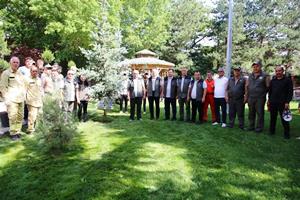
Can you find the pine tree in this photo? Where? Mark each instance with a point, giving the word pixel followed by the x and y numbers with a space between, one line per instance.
pixel 103 58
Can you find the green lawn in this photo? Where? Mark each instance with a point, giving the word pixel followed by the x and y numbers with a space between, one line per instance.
pixel 155 160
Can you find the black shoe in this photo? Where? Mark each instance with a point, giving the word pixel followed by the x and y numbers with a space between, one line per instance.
pixel 258 130
pixel 230 126
pixel 173 119
pixel 287 137
pixel 242 128
pixel 15 137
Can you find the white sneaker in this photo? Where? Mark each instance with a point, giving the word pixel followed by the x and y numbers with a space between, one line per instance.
pixel 223 125
pixel 215 123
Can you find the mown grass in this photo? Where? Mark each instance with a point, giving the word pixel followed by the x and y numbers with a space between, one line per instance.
pixel 155 160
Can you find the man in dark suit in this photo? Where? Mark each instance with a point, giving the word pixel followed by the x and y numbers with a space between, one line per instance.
pixel 182 91
pixel 170 93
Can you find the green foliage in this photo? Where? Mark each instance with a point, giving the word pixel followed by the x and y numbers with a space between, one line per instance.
pixel 144 24
pixel 155 160
pixel 71 63
pixel 103 59
pixel 187 27
pixel 268 30
pixel 3 64
pixel 55 128
pixel 3 46
pixel 48 56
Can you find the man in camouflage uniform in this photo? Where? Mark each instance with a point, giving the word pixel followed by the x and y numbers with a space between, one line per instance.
pixel 34 98
pixel 13 88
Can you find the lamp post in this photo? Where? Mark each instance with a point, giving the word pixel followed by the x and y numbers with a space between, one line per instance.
pixel 229 40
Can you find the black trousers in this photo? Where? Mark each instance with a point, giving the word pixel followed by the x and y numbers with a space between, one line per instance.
pixel 170 102
pixel 236 108
pixel 25 112
pixel 123 99
pixel 256 107
pixel 144 105
pixel 4 119
pixel 82 110
pixel 276 108
pixel 136 104
pixel 197 106
pixel 151 101
pixel 220 102
pixel 183 102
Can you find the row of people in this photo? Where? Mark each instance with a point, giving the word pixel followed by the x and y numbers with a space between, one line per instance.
pixel 23 92
pixel 194 95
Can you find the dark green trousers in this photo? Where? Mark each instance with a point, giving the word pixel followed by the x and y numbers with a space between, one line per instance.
pixel 256 112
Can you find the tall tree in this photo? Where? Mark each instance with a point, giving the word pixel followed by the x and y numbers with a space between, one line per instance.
pixel 188 24
pixel 103 58
pixel 144 24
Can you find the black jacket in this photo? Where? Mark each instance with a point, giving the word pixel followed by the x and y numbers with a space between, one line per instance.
pixel 281 90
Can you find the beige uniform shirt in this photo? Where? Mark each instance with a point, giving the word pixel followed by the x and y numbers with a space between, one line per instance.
pixel 47 83
pixel 13 86
pixel 34 94
pixel 69 90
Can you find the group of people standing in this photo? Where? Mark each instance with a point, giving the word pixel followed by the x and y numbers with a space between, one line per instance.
pixel 194 95
pixel 23 90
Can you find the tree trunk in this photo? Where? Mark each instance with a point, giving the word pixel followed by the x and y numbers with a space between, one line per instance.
pixel 105 113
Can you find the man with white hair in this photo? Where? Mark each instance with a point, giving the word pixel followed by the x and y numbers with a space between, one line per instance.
pixel 136 93
pixel 13 88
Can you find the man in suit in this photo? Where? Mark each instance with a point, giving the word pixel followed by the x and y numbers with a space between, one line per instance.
pixel 182 91
pixel 154 93
pixel 170 90
pixel 136 93
pixel 197 93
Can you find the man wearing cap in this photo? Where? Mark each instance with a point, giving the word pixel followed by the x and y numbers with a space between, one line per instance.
pixel 155 91
pixel 280 95
pixel 196 93
pixel 136 93
pixel 170 90
pixel 258 85
pixel 34 98
pixel 221 83
pixel 237 97
pixel 13 86
pixel 209 98
pixel 182 92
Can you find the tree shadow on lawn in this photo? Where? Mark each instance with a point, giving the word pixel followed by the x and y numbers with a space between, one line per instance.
pixel 157 160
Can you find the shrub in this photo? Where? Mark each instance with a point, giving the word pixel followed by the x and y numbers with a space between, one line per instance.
pixel 55 128
pixel 48 56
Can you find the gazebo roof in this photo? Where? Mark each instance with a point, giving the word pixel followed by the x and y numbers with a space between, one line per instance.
pixel 145 53
pixel 145 61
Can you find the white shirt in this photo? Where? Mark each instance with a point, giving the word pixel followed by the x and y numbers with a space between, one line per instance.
pixel 168 95
pixel 194 90
pixel 135 85
pixel 220 87
pixel 153 84
pixel 182 83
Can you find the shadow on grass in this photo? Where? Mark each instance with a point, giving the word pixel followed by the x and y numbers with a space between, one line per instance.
pixel 157 160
